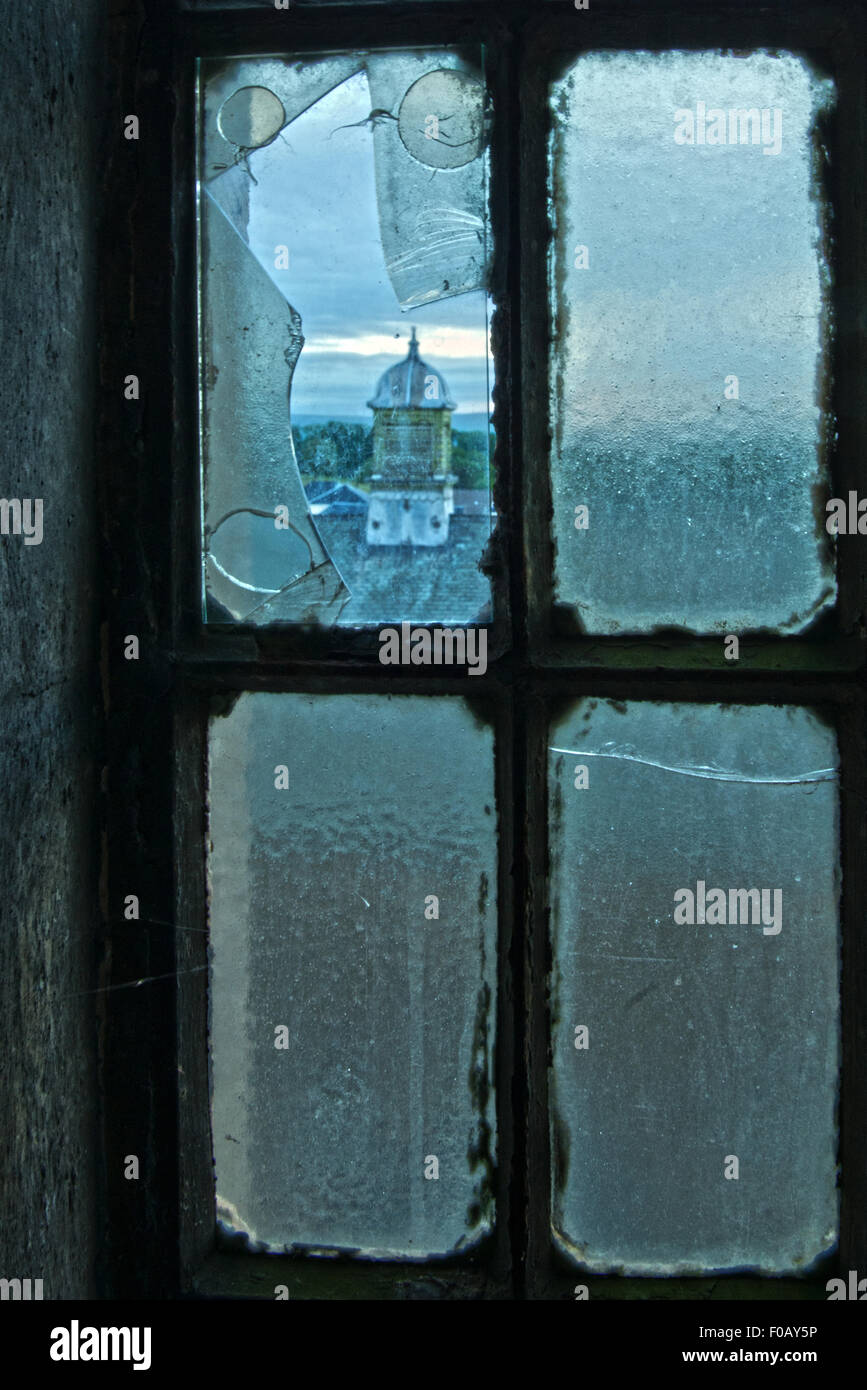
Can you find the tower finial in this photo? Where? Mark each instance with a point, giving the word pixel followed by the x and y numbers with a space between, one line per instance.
pixel 413 344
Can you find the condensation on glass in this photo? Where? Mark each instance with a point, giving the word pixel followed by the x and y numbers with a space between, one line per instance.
pixel 345 373
pixel 689 361
pixel 352 874
pixel 693 1125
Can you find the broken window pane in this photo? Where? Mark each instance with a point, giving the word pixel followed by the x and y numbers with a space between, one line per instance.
pixel 345 364
pixel 689 381
pixel 353 933
pixel 695 987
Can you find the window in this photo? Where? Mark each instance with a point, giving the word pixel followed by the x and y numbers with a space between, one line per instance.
pixel 609 1085
pixel 332 210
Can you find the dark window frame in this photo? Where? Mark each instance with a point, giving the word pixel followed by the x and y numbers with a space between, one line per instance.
pixel 823 668
pixel 159 1232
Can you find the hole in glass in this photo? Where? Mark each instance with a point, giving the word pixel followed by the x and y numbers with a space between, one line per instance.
pixel 441 120
pixel 251 118
pixel 332 497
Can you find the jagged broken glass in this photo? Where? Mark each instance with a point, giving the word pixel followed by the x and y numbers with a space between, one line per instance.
pixel 693 1120
pixel 689 373
pixel 344 354
pixel 353 934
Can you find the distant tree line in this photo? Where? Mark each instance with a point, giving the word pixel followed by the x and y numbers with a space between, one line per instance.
pixel 334 450
pixel 345 452
pixel 470 458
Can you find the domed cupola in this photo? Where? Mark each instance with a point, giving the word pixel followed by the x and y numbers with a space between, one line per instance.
pixel 412 384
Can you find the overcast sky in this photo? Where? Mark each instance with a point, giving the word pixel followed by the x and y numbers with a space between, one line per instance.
pixel 315 193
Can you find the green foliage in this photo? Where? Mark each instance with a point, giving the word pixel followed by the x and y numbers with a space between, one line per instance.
pixel 334 450
pixel 470 458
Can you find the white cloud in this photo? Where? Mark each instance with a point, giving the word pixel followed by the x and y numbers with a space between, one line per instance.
pixel 436 342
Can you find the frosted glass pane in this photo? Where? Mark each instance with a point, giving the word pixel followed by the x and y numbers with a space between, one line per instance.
pixel 693 1124
pixel 688 296
pixel 345 366
pixel 356 909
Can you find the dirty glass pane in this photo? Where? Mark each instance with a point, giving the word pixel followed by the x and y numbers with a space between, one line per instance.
pixel 353 919
pixel 689 385
pixel 344 354
pixel 695 1024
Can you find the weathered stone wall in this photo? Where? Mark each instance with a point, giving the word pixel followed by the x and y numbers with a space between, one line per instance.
pixel 51 95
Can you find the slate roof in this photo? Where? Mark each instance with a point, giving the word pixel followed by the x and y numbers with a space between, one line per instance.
pixel 404 583
pixel 325 494
pixel 471 501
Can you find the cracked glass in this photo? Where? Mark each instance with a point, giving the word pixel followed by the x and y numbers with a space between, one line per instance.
pixel 345 370
pixel 695 992
pixel 352 884
pixel 689 395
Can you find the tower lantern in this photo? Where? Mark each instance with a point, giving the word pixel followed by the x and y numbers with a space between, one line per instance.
pixel 411 496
